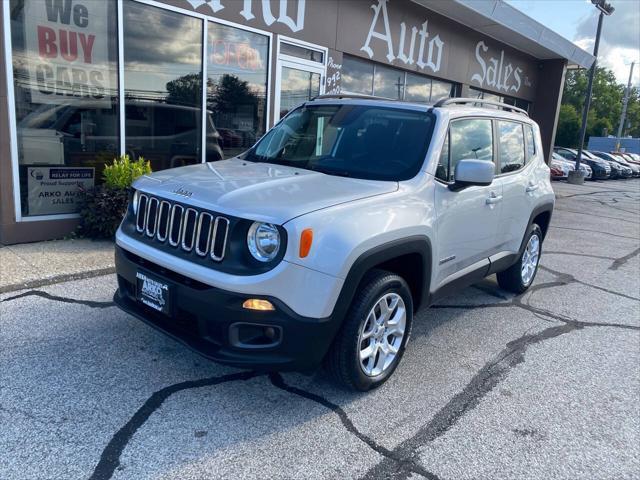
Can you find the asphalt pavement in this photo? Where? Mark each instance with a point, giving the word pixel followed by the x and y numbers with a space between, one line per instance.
pixel 492 386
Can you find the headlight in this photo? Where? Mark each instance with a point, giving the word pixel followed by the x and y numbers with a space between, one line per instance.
pixel 263 241
pixel 135 202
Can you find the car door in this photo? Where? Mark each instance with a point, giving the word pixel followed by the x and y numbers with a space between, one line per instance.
pixel 520 183
pixel 467 219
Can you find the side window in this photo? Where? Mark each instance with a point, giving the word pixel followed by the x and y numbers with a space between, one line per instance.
pixel 442 171
pixel 511 147
pixel 531 142
pixel 470 138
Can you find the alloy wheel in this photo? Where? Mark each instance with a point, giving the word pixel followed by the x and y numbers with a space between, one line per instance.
pixel 382 334
pixel 530 259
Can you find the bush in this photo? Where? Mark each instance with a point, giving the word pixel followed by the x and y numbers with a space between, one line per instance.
pixel 103 207
pixel 101 211
pixel 122 172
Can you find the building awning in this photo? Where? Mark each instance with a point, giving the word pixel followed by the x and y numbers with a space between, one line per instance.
pixel 509 25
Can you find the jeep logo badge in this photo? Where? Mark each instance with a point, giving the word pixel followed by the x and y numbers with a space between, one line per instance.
pixel 182 192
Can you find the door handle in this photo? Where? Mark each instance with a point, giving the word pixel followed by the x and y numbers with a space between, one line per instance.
pixel 493 199
pixel 532 187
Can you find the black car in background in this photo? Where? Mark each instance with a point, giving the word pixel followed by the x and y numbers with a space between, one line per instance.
pixel 601 168
pixel 622 171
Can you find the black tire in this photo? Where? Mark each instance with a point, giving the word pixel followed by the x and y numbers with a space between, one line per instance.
pixel 343 359
pixel 511 279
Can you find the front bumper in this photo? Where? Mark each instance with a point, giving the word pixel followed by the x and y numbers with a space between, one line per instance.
pixel 207 320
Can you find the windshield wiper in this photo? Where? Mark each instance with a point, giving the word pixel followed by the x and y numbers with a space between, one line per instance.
pixel 328 171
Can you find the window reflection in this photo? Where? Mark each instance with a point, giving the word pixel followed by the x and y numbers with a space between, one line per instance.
pixel 511 146
pixel 418 88
pixel 369 78
pixel 66 105
pixel 356 76
pixel 470 138
pixel 296 87
pixel 388 83
pixel 163 85
pixel 237 63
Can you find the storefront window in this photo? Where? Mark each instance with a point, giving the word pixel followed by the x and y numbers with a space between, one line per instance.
pixel 66 84
pixel 418 88
pixel 388 82
pixel 440 90
pixel 237 63
pixel 369 78
pixel 163 85
pixel 516 102
pixel 356 76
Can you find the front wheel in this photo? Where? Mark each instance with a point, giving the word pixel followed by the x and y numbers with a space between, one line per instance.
pixel 519 277
pixel 372 339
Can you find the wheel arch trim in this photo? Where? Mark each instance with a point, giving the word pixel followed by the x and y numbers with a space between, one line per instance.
pixel 416 244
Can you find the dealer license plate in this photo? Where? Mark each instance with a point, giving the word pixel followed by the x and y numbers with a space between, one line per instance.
pixel 153 292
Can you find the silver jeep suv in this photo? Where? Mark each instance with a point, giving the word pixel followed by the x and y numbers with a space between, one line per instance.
pixel 321 242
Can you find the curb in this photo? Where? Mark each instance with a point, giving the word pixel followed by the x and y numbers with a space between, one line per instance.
pixel 57 279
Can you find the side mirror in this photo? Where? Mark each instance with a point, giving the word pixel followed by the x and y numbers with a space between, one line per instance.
pixel 473 172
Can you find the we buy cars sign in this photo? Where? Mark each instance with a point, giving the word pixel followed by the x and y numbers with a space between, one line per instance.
pixel 67 50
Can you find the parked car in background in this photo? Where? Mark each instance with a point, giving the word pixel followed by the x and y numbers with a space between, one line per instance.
pixel 165 134
pixel 569 166
pixel 560 168
pixel 601 170
pixel 623 171
pixel 634 156
pixel 628 161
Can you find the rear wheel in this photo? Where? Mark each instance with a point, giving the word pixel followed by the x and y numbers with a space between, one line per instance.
pixel 372 339
pixel 519 277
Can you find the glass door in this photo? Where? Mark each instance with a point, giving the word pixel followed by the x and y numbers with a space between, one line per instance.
pixel 301 72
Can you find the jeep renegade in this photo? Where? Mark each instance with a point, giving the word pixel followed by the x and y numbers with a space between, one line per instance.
pixel 320 243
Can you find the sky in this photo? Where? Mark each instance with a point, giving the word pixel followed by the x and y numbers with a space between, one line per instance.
pixel 577 21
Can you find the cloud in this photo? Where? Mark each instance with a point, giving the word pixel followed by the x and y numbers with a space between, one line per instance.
pixel 620 40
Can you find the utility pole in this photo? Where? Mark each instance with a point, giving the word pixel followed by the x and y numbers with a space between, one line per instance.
pixel 577 176
pixel 625 102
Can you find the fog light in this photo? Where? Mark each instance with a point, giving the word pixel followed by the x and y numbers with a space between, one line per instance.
pixel 270 333
pixel 258 304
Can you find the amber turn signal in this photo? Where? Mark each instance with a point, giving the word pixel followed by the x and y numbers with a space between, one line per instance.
pixel 306 239
pixel 257 304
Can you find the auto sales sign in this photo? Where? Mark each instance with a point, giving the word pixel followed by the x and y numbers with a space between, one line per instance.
pixel 68 50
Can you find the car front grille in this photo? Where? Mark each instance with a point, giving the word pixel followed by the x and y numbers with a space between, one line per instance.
pixel 182 227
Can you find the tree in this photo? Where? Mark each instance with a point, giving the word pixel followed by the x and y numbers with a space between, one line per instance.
pixel 185 90
pixel 606 106
pixel 230 92
pixel 568 126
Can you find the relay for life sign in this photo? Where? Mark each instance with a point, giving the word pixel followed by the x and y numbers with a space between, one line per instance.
pixel 54 190
pixel 67 41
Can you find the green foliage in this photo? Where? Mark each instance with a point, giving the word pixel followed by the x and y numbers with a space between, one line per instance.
pixel 568 126
pixel 103 207
pixel 123 171
pixel 605 110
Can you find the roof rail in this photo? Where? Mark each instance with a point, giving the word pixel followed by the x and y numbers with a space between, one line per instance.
pixel 349 95
pixel 463 101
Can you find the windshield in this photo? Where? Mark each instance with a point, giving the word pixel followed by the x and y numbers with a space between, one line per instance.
pixel 358 141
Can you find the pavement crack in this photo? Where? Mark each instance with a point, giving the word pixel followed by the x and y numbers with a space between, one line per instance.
pixel 618 262
pixel 399 463
pixel 110 457
pixel 593 231
pixel 577 254
pixel 478 387
pixel 57 298
pixel 571 279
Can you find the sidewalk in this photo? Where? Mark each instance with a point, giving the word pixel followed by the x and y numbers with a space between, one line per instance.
pixel 30 265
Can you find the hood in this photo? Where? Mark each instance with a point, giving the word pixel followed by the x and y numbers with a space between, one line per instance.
pixel 258 191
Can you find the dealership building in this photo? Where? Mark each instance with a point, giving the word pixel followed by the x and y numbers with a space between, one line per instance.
pixel 83 81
